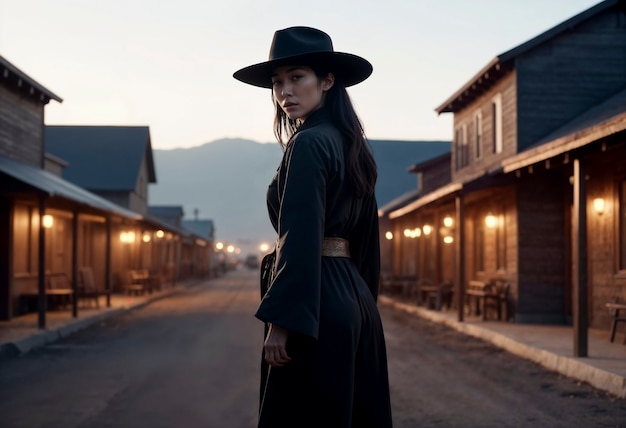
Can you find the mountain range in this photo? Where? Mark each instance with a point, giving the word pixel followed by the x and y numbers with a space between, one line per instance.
pixel 226 181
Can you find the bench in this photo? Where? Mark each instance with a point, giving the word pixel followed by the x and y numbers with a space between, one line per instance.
pixel 615 308
pixel 391 284
pixel 141 279
pixel 434 296
pixel 58 292
pixel 491 294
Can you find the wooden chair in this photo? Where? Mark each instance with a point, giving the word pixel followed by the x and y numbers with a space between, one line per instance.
pixel 614 308
pixel 59 289
pixel 476 291
pixel 497 297
pixel 87 286
pixel 135 282
pixel 445 291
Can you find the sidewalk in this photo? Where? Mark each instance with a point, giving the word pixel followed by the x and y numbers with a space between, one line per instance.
pixel 550 346
pixel 21 334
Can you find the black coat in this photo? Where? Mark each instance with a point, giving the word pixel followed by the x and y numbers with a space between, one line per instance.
pixel 338 373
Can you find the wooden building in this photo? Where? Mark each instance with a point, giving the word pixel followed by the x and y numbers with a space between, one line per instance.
pixel 64 238
pixel 537 193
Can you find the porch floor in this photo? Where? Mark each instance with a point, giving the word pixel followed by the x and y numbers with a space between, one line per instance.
pixel 21 334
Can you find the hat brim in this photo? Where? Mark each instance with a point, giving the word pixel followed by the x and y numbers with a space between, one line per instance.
pixel 349 69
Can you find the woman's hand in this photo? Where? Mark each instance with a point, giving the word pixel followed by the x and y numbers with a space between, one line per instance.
pixel 275 346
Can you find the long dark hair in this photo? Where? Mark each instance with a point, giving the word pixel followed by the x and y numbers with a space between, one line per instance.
pixel 361 166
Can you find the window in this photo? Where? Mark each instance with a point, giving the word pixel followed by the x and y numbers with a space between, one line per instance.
pixel 464 151
pixel 457 148
pixel 478 134
pixel 496 115
pixel 622 226
pixel 461 152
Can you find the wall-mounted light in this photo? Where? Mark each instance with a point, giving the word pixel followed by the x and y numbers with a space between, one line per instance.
pixel 230 248
pixel 448 239
pixel 219 246
pixel 448 221
pixel 160 234
pixel 427 229
pixel 412 233
pixel 127 237
pixel 389 236
pixel 48 221
pixel 598 205
pixel 146 237
pixel 491 221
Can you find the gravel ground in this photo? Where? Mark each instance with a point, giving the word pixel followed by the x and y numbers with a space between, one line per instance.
pixel 442 378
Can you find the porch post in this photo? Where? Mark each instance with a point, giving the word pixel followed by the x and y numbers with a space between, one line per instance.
pixel 41 268
pixel 579 260
pixel 460 257
pixel 6 257
pixel 107 261
pixel 75 264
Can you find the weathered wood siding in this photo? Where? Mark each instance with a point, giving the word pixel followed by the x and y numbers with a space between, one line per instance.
pixel 501 202
pixel 6 257
pixel 606 170
pixel 436 175
pixel 21 128
pixel 488 159
pixel 541 238
pixel 569 74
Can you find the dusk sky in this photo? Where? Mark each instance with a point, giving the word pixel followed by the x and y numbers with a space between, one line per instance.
pixel 169 64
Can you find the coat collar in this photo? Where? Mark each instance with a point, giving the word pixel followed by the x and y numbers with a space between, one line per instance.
pixel 318 117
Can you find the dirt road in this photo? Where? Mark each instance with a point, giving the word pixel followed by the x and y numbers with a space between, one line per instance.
pixel 191 360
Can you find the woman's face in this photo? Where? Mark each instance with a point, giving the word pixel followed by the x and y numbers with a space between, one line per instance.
pixel 298 90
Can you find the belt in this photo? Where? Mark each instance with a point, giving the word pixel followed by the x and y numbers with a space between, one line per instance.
pixel 335 247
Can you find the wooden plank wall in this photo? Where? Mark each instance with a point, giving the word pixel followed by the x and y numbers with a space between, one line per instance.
pixel 570 74
pixel 542 259
pixel 21 128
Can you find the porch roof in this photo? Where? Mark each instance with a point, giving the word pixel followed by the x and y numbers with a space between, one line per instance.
pixel 53 185
pixel 203 228
pixel 161 223
pixel 398 202
pixel 441 192
pixel 603 120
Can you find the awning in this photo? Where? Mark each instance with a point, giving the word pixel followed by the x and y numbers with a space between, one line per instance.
pixel 604 120
pixel 53 185
pixel 427 199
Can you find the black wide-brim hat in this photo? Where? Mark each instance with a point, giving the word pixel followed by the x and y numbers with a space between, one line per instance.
pixel 306 47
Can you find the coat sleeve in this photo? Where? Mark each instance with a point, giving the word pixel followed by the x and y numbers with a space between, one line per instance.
pixel 365 245
pixel 293 299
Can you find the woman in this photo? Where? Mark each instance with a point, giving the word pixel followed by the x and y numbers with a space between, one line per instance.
pixel 324 353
